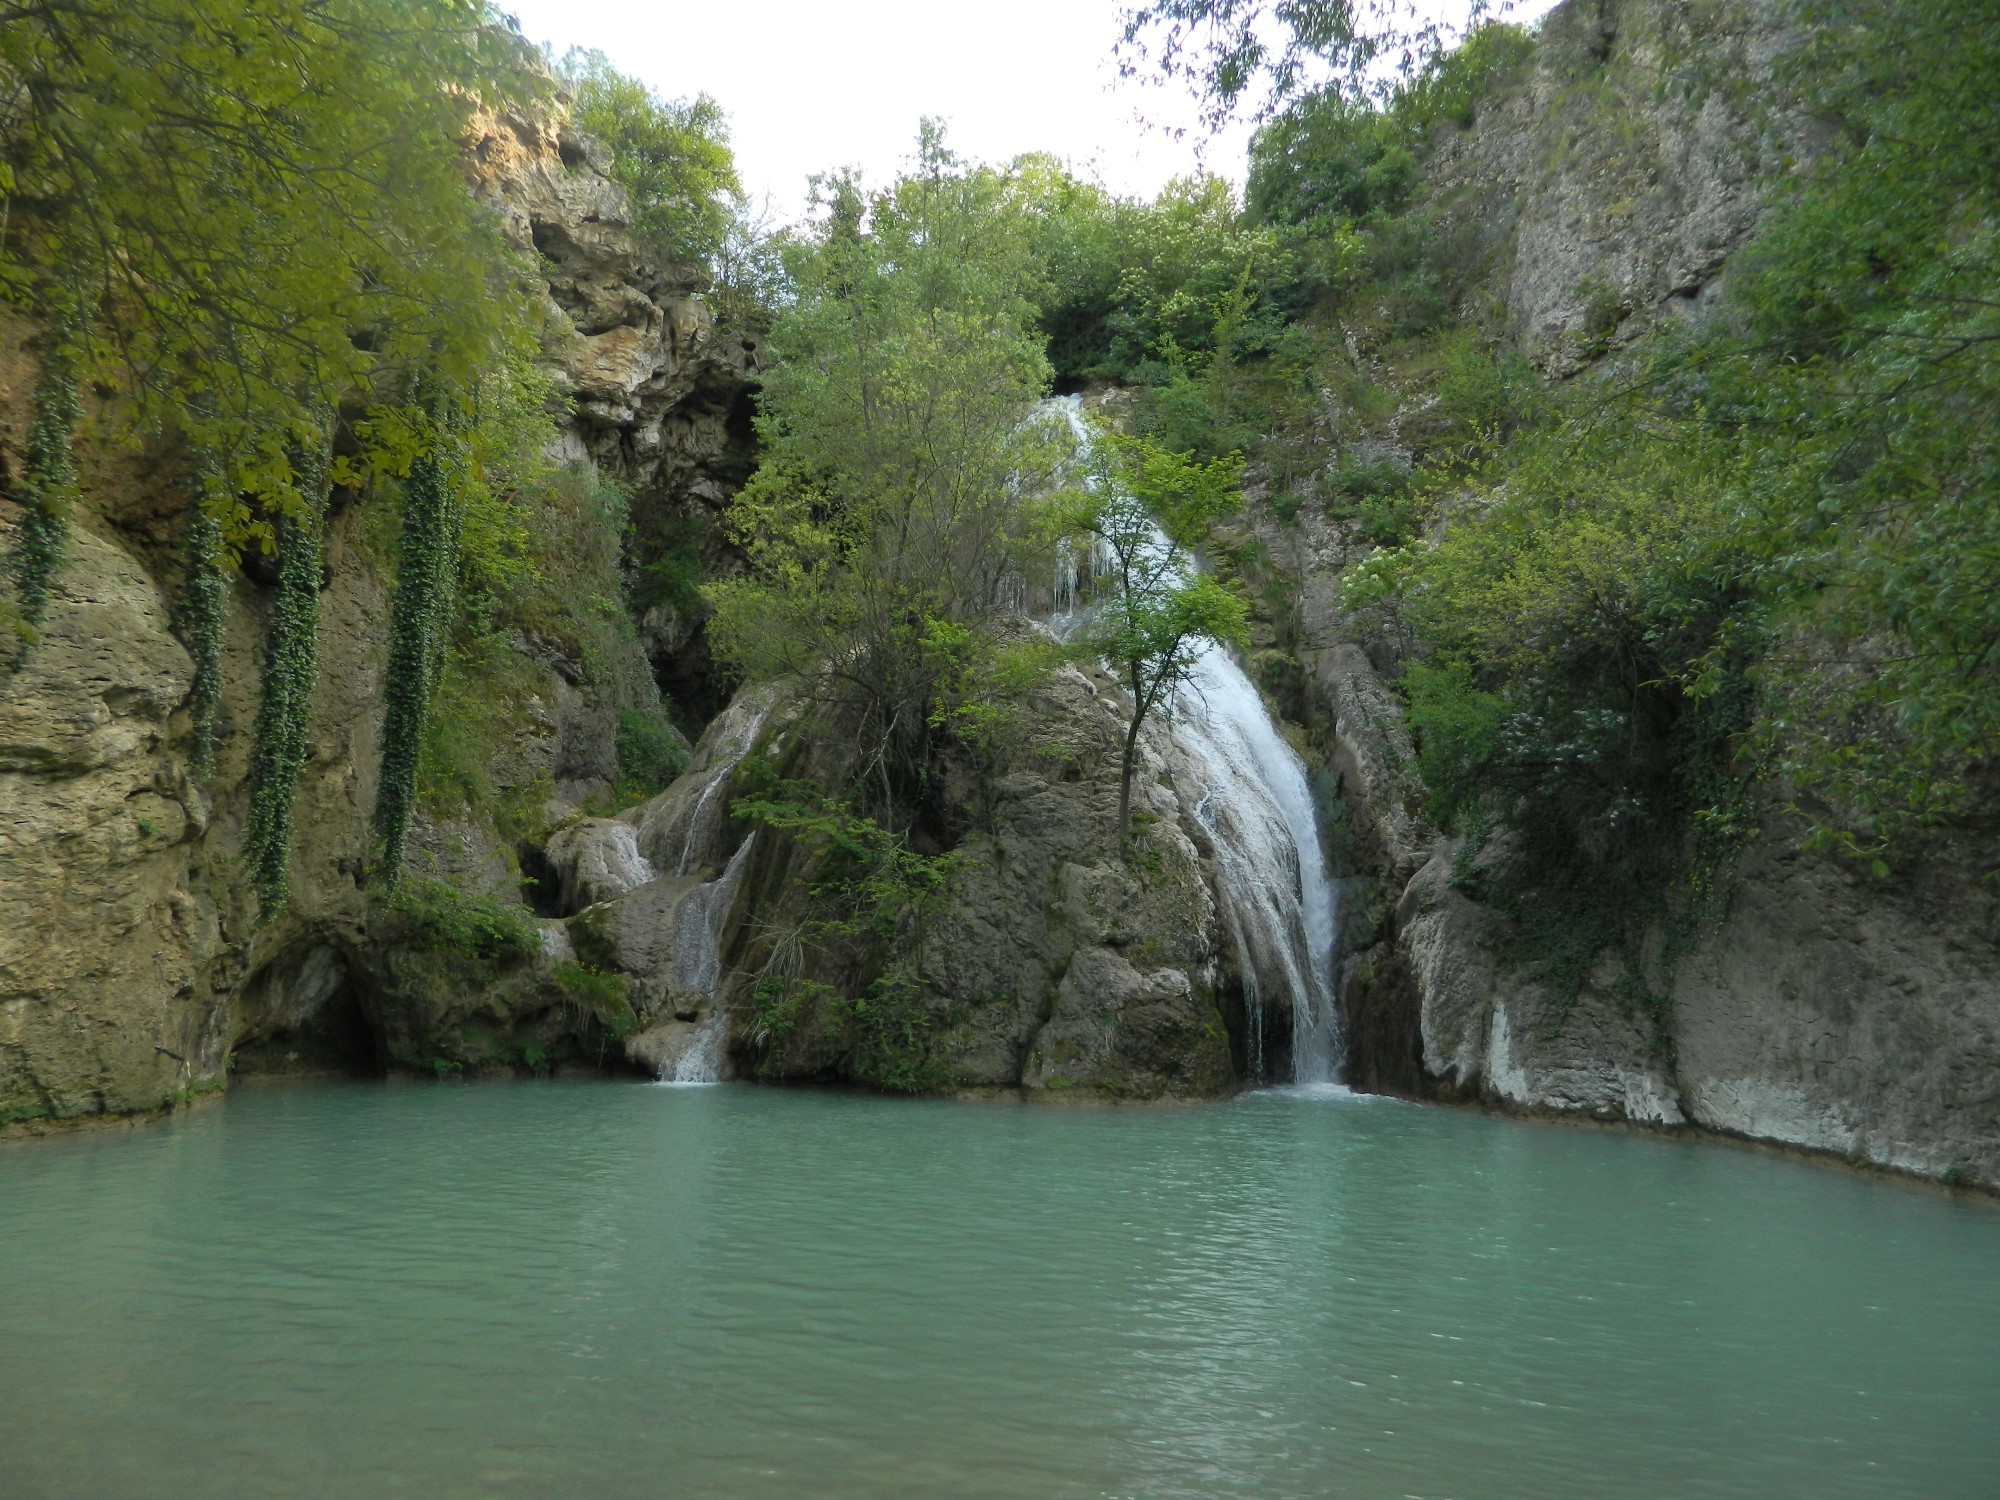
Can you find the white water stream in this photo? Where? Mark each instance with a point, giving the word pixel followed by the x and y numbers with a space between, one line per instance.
pixel 679 830
pixel 697 967
pixel 1257 806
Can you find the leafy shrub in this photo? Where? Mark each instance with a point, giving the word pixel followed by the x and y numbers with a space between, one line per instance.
pixel 871 901
pixel 1452 85
pixel 1327 158
pixel 671 156
pixel 1869 373
pixel 1483 401
pixel 1140 292
pixel 446 920
pixel 1377 495
pixel 672 573
pixel 650 755
pixel 1588 634
pixel 601 992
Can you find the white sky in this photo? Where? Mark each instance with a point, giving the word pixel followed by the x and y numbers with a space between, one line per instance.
pixel 810 85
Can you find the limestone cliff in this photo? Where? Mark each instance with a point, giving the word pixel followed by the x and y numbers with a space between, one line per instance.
pixel 132 968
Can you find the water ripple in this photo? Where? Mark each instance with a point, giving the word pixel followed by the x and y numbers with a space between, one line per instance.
pixel 561 1289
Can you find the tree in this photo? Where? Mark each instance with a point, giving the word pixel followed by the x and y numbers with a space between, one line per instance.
pixel 1145 513
pixel 671 156
pixel 1228 49
pixel 884 514
pixel 263 200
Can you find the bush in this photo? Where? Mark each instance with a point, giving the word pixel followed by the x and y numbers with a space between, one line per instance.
pixel 1325 159
pixel 1484 400
pixel 671 156
pixel 600 992
pixel 1452 85
pixel 1377 496
pixel 650 755
pixel 446 920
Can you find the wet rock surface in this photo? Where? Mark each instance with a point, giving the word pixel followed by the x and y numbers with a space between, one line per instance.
pixel 1059 966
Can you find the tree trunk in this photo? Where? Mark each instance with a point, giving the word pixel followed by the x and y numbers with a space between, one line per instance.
pixel 1125 777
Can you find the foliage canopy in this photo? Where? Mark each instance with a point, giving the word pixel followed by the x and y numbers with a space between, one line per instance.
pixel 263 201
pixel 671 156
pixel 883 518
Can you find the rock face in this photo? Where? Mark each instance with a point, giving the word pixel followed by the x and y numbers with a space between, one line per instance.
pixel 1060 968
pixel 1063 965
pixel 1833 1011
pixel 1825 1010
pixel 1618 178
pixel 96 819
pixel 133 972
pixel 662 396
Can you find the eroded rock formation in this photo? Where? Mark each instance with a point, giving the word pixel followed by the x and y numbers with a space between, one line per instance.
pixel 1061 966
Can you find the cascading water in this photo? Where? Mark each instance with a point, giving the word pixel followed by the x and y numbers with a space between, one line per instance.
pixel 697 967
pixel 678 825
pixel 682 831
pixel 1257 807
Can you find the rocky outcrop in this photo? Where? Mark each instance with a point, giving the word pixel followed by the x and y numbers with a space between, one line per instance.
pixel 1061 967
pixel 1827 1010
pixel 1612 183
pixel 1846 1014
pixel 1064 965
pixel 662 395
pixel 100 937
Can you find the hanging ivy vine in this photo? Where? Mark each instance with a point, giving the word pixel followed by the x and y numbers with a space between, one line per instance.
pixel 48 489
pixel 291 670
pixel 420 619
pixel 199 613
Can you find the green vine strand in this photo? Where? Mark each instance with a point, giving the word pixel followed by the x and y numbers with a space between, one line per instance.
pixel 203 604
pixel 48 489
pixel 420 622
pixel 291 669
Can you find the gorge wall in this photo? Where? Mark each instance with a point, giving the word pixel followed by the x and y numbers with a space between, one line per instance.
pixel 1827 1009
pixel 133 970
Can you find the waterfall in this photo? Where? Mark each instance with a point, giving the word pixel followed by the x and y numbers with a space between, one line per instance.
pixel 677 826
pixel 682 830
pixel 697 966
pixel 1256 805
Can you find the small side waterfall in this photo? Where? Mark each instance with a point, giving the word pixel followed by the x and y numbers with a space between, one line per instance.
pixel 697 967
pixel 1257 807
pixel 681 822
pixel 684 831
